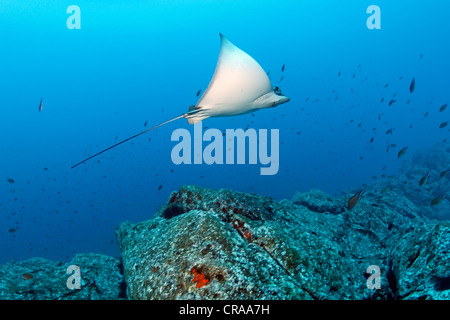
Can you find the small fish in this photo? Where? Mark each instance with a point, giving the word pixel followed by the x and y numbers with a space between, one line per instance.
pixel 389 131
pixel 444 106
pixel 444 173
pixel 424 179
pixel 425 114
pixel 392 101
pixel 40 105
pixel 402 152
pixel 371 140
pixel 354 200
pixel 412 86
pixel 443 124
pixel 27 276
pixel 10 180
pixel 198 92
pixel 339 74
pixel 160 187
pixel 282 67
pixel 145 124
pixel 438 199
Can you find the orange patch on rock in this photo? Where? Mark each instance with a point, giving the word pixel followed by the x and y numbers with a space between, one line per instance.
pixel 199 278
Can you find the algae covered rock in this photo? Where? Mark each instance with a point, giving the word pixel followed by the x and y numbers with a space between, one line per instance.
pixel 221 244
pixel 42 279
pixel 422 263
pixel 165 257
pixel 319 201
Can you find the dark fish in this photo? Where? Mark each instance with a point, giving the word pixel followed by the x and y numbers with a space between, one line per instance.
pixel 40 105
pixel 443 107
pixel 339 74
pixel 27 276
pixel 443 124
pixel 438 199
pixel 160 187
pixel 371 140
pixel 425 114
pixel 354 200
pixel 282 67
pixel 402 152
pixel 145 124
pixel 389 131
pixel 392 101
pixel 444 173
pixel 424 179
pixel 412 86
pixel 198 92
pixel 421 56
pixel 10 180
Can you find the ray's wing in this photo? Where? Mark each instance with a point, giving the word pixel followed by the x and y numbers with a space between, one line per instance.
pixel 238 78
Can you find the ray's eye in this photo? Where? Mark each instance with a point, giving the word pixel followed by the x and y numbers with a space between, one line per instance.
pixel 277 91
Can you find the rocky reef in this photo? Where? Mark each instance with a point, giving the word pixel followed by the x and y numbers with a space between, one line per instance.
pixel 245 246
pixel 223 244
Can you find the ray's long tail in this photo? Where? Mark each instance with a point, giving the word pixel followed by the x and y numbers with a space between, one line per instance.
pixel 136 135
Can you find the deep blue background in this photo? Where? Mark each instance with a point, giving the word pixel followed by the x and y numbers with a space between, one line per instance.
pixel 134 61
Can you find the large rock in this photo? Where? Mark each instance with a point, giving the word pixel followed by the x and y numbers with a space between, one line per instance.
pixel 220 244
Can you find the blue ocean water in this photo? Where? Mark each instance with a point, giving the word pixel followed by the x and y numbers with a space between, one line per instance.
pixel 133 62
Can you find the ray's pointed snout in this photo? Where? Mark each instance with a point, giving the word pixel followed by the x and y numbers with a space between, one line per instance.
pixel 280 98
pixel 285 99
